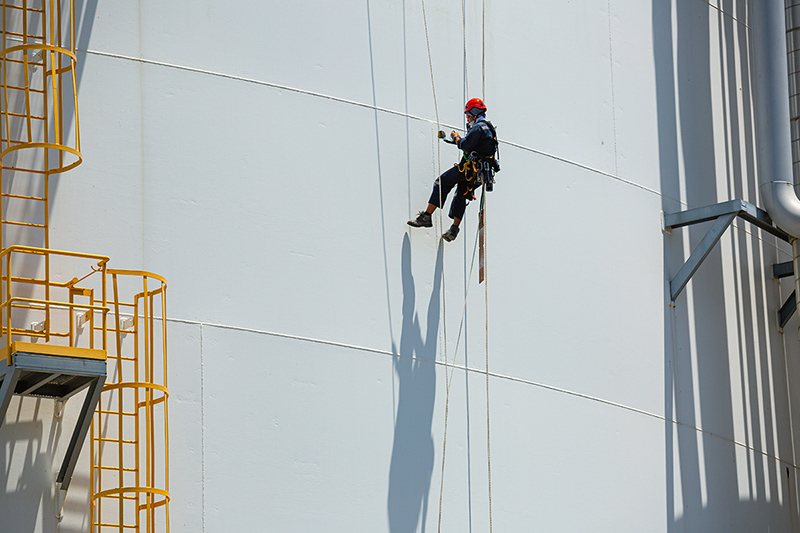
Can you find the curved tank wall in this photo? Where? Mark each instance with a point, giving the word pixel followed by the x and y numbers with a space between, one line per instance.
pixel 264 159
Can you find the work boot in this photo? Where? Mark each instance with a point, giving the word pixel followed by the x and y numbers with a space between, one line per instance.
pixel 423 220
pixel 451 234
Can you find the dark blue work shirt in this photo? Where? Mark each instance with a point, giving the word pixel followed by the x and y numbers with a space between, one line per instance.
pixel 478 139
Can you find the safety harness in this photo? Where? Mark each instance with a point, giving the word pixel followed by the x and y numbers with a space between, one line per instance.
pixel 480 170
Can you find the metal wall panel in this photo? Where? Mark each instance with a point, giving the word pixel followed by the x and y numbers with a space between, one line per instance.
pixel 264 159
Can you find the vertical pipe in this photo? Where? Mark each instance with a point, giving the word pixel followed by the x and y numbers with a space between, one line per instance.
pixel 771 91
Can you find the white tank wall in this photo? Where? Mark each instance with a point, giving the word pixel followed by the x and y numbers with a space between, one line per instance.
pixel 264 159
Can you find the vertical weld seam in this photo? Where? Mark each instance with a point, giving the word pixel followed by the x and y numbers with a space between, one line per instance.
pixel 202 435
pixel 613 99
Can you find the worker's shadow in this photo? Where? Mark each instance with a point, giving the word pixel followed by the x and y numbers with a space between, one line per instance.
pixel 412 453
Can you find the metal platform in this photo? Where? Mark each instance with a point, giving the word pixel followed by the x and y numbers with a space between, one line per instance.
pixel 45 371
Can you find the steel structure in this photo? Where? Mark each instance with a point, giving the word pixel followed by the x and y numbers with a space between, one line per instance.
pixel 130 437
pixel 54 331
pixel 39 102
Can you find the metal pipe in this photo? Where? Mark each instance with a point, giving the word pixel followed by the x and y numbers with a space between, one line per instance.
pixel 772 102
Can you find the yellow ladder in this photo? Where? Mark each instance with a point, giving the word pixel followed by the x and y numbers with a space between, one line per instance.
pixel 40 137
pixel 38 104
pixel 130 469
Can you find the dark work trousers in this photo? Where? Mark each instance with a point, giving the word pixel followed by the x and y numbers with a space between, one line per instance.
pixel 449 179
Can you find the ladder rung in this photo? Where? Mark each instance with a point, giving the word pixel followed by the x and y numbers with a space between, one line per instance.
pixel 23 35
pixel 22 8
pixel 21 197
pixel 117 441
pixel 22 62
pixel 117 413
pixel 27 224
pixel 21 115
pixel 15 87
pixel 109 524
pixel 115 468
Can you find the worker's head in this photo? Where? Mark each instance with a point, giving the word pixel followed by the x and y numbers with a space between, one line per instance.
pixel 474 108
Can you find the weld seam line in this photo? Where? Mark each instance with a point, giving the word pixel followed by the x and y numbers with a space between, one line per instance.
pixel 492 374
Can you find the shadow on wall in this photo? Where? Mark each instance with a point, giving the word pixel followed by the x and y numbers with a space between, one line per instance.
pixel 412 453
pixel 27 184
pixel 28 497
pixel 723 363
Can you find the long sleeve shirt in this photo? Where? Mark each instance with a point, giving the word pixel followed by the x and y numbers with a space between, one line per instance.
pixel 478 139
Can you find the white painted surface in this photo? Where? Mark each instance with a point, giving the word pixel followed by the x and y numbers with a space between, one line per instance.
pixel 240 154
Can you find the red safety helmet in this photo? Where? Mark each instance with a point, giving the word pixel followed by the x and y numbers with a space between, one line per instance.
pixel 475 107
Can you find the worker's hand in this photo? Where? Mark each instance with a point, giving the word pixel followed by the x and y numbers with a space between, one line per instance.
pixel 455 136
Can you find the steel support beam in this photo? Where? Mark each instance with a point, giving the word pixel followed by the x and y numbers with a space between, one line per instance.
pixel 783 270
pixel 43 379
pixel 723 215
pixel 81 430
pixel 85 372
pixel 699 254
pixel 787 310
pixel 7 389
pixel 745 210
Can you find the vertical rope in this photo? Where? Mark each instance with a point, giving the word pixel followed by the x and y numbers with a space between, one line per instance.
pixel 450 367
pixel 439 171
pixel 486 299
pixel 483 51
pixel 464 36
pixel 486 274
pixel 449 372
pixel 441 247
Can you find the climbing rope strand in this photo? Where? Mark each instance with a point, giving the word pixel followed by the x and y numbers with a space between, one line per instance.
pixel 450 367
pixel 486 275
pixel 464 35
pixel 449 371
pixel 486 301
pixel 441 247
pixel 438 170
pixel 483 51
pixel 463 310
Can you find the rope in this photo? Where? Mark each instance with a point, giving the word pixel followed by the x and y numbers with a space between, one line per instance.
pixel 449 372
pixel 439 172
pixel 450 367
pixel 441 250
pixel 464 36
pixel 486 298
pixel 486 273
pixel 483 59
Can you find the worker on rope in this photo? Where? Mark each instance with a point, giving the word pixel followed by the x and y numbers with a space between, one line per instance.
pixel 477 167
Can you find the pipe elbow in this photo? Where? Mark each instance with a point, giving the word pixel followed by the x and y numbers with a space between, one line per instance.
pixel 783 205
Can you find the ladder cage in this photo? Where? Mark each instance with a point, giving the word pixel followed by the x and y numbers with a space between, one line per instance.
pixel 39 130
pixel 64 304
pixel 130 437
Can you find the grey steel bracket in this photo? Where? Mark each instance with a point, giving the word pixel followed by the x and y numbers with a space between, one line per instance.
pixel 723 215
pixel 787 310
pixel 60 377
pixel 784 270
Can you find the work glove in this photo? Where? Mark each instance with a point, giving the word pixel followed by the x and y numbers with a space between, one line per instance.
pixel 455 136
